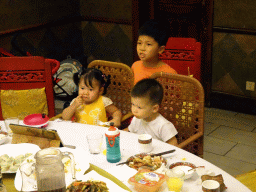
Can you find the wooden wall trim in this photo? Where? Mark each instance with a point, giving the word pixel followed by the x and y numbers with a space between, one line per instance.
pixel 66 20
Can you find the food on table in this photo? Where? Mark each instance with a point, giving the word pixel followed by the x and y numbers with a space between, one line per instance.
pixel 147 180
pixel 12 163
pixel 142 159
pixel 87 186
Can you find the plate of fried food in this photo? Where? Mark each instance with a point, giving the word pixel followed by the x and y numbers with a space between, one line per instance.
pixel 146 160
pixel 93 181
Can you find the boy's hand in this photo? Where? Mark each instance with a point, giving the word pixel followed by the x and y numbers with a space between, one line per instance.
pixel 78 101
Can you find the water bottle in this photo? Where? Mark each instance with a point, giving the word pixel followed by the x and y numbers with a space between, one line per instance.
pixel 113 144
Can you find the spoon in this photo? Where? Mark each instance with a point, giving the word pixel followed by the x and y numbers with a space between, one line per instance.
pixel 156 154
pixel 195 168
pixel 103 123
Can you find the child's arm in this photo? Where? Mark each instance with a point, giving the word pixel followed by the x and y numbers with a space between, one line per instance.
pixel 173 141
pixel 68 113
pixel 115 113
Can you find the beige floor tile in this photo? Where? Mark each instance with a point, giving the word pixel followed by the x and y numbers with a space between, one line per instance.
pixel 235 135
pixel 234 122
pixel 243 153
pixel 219 112
pixel 246 116
pixel 209 127
pixel 217 146
pixel 254 131
pixel 230 165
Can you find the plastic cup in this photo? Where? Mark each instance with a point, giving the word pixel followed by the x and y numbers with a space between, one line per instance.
pixel 8 121
pixel 95 143
pixel 175 180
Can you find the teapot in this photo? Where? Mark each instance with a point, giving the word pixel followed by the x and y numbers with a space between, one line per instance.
pixel 49 170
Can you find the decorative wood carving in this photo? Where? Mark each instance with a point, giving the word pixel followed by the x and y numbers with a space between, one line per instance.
pixel 22 76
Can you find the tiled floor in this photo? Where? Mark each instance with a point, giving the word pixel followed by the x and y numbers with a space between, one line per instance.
pixel 229 142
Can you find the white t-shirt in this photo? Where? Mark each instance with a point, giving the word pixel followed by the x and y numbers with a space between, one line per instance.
pixel 106 101
pixel 160 128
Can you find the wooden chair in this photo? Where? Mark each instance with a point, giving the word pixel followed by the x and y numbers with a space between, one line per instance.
pixel 27 73
pixel 183 105
pixel 121 78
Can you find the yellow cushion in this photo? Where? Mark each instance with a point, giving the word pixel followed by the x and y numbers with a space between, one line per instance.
pixel 20 103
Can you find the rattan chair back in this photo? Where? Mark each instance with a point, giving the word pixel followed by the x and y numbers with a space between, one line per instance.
pixel 183 105
pixel 121 78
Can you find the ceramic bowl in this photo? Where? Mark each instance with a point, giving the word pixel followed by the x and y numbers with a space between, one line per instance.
pixel 184 166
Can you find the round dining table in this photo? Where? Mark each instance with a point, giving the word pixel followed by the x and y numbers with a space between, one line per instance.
pixel 74 134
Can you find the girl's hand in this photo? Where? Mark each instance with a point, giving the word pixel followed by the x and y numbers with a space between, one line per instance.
pixel 78 101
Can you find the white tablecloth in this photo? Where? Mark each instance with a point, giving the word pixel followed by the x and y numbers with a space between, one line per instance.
pixel 75 134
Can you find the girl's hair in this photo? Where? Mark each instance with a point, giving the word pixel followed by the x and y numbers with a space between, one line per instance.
pixel 89 74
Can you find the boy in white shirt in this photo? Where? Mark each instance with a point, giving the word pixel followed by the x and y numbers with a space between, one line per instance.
pixel 146 97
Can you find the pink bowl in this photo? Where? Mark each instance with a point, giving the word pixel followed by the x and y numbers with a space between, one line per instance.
pixel 36 120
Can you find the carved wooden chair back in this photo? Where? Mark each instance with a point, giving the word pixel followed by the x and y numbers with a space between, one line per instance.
pixel 183 105
pixel 27 73
pixel 121 78
pixel 183 55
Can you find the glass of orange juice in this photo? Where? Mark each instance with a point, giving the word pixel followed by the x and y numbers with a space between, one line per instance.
pixel 175 180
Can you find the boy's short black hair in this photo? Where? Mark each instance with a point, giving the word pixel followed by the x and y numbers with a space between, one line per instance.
pixel 150 88
pixel 159 30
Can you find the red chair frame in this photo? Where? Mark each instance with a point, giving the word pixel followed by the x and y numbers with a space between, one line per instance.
pixel 183 55
pixel 29 72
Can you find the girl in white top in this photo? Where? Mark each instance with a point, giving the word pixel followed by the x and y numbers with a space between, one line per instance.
pixel 90 106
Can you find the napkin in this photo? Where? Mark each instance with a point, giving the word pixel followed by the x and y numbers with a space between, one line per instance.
pixel 93 175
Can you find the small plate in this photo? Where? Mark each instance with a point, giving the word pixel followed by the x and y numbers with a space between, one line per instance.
pixel 184 166
pixel 141 156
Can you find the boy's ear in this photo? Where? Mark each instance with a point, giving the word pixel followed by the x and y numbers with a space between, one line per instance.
pixel 161 49
pixel 156 108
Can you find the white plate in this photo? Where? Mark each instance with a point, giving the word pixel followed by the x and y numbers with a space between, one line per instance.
pixel 82 164
pixel 93 175
pixel 13 150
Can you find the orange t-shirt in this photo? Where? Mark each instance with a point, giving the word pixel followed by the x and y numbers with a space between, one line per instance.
pixel 141 72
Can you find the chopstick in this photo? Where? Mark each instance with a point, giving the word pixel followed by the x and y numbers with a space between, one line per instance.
pixel 156 154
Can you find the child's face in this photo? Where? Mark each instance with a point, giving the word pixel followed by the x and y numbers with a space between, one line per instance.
pixel 90 94
pixel 142 108
pixel 148 49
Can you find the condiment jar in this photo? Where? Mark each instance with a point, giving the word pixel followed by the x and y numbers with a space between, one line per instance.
pixel 50 170
pixel 113 144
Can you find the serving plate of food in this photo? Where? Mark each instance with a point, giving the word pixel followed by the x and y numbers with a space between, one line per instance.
pixel 146 160
pixel 100 182
pixel 12 155
pixel 81 165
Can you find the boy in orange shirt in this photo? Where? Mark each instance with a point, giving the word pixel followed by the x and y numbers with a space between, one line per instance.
pixel 153 37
